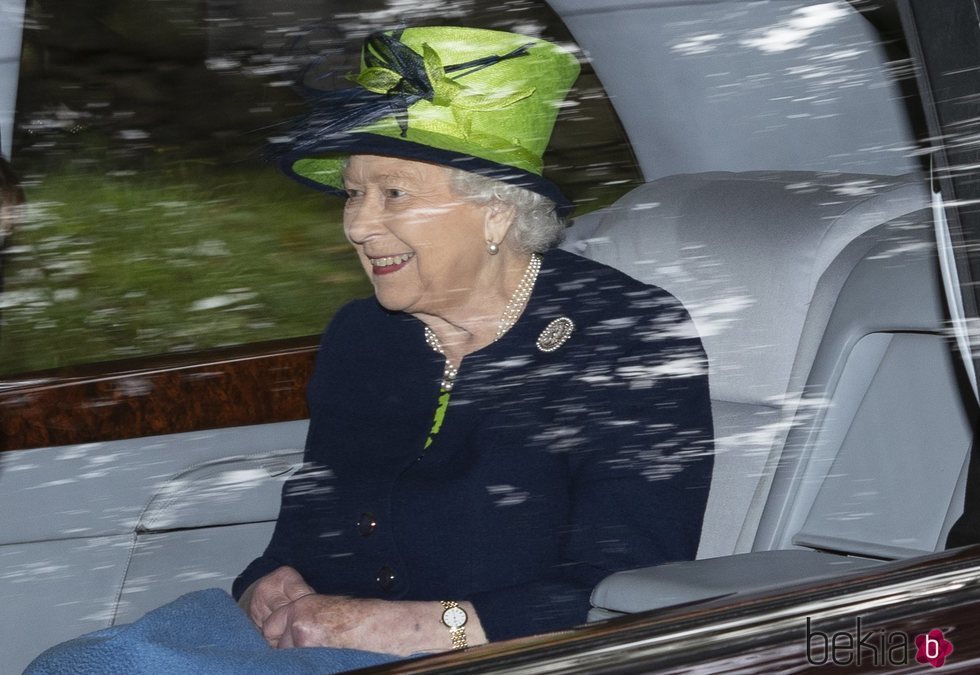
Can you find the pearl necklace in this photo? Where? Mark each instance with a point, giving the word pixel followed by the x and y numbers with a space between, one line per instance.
pixel 450 371
pixel 512 312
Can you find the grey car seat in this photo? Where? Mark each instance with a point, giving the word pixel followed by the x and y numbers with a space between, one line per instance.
pixel 820 306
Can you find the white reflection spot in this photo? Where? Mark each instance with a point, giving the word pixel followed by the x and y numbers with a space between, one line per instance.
pixel 133 135
pixel 509 495
pixel 14 298
pixel 219 63
pixel 795 31
pixel 698 44
pixel 218 301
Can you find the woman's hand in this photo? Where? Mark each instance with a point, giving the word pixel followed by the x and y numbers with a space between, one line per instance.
pixel 399 627
pixel 273 591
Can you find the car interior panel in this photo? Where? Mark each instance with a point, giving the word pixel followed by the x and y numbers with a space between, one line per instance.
pixel 139 533
pixel 797 105
pixel 802 243
pixel 842 481
pixel 223 387
pixel 808 454
pixel 891 362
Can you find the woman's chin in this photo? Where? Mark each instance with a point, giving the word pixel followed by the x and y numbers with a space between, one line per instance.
pixel 393 302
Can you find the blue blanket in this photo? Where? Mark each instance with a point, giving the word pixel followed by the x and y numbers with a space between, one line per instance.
pixel 202 632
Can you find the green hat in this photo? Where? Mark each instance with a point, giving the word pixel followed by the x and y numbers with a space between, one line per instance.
pixel 479 100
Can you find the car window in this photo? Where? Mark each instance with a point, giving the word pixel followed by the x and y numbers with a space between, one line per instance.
pixel 152 226
pixel 153 223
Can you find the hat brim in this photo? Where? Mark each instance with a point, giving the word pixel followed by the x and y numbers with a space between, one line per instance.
pixel 325 161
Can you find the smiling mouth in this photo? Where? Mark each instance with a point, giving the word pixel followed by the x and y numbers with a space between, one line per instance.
pixel 389 264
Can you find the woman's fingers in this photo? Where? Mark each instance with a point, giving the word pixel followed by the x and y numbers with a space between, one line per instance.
pixel 294 589
pixel 274 628
pixel 273 591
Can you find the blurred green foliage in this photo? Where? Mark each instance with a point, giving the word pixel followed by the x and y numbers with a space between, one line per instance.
pixel 107 267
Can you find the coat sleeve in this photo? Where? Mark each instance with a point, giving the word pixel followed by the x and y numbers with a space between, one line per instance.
pixel 638 494
pixel 279 552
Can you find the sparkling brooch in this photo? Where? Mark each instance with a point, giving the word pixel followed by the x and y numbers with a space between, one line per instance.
pixel 555 334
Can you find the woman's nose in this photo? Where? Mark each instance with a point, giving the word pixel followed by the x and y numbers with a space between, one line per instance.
pixel 362 220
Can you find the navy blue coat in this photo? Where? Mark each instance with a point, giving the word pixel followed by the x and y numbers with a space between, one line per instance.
pixel 550 471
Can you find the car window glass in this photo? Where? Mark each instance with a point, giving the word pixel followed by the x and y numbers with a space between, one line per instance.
pixel 153 223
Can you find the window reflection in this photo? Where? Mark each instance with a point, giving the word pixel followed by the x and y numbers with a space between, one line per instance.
pixel 153 224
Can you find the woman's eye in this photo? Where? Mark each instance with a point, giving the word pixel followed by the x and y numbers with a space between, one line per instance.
pixel 352 193
pixel 394 193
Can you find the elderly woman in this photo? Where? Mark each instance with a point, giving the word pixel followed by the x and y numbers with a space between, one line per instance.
pixel 503 424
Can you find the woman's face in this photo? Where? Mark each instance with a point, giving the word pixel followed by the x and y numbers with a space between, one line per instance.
pixel 423 247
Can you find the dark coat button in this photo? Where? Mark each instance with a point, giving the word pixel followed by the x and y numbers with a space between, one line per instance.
pixel 386 578
pixel 367 524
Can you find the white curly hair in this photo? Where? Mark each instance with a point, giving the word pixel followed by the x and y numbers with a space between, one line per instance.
pixel 537 226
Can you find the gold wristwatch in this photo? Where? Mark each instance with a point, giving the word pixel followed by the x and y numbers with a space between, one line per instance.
pixel 454 618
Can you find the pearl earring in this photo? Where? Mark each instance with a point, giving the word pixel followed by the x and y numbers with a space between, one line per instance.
pixel 492 248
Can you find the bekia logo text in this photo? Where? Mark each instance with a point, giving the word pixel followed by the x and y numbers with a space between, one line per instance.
pixel 876 647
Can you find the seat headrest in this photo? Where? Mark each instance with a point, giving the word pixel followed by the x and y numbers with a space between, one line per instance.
pixel 744 252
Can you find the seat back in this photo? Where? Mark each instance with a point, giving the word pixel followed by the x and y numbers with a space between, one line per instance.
pixel 745 253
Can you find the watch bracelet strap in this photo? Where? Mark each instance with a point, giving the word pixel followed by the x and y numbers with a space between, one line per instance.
pixel 458 637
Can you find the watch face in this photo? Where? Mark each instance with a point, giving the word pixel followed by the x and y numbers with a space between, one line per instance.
pixel 454 617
